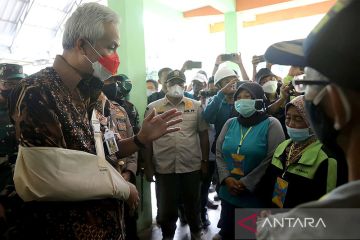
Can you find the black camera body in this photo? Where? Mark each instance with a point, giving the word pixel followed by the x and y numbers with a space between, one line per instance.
pixel 208 93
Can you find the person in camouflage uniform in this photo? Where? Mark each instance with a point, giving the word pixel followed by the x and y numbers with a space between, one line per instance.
pixel 10 74
pixel 124 87
pixel 117 89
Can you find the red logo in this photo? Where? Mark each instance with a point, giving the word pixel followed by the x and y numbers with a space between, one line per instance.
pixel 249 223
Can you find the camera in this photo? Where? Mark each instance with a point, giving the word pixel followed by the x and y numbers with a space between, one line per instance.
pixel 208 93
pixel 194 64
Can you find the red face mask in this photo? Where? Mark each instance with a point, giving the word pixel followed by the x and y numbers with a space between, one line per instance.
pixel 110 62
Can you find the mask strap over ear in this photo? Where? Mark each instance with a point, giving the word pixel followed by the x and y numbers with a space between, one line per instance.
pixel 346 106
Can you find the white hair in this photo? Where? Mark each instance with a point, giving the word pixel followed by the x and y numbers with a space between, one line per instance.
pixel 87 22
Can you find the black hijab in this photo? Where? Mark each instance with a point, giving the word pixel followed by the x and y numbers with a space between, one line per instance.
pixel 256 92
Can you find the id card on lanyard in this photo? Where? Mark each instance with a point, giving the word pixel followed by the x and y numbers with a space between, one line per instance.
pixel 281 185
pixel 238 159
pixel 110 141
pixel 280 190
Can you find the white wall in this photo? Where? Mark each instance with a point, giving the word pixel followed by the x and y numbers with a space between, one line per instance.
pixel 255 40
pixel 171 39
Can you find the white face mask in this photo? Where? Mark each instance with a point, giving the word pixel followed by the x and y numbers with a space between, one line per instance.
pixel 270 86
pixel 175 91
pixel 149 92
pixel 100 72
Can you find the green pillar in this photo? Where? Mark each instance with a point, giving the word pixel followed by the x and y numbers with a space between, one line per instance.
pixel 132 57
pixel 231 35
pixel 132 47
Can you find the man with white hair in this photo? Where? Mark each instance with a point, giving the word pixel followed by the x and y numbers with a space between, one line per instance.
pixel 52 111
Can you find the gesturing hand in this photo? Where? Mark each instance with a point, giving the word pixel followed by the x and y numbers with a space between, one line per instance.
pixel 155 126
pixel 229 88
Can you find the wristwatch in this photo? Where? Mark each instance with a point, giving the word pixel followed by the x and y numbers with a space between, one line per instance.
pixel 138 143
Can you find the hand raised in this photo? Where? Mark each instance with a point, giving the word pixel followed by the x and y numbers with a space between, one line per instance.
pixel 155 126
pixel 229 88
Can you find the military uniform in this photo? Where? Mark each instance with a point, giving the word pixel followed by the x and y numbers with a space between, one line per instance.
pixel 127 117
pixel 10 74
pixel 132 113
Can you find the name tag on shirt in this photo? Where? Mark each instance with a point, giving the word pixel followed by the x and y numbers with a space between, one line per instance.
pixel 110 141
pixel 238 163
pixel 280 190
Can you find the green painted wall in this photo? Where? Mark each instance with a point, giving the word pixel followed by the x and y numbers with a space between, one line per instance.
pixel 132 57
pixel 162 10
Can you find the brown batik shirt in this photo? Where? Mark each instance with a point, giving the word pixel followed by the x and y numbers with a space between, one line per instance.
pixel 53 108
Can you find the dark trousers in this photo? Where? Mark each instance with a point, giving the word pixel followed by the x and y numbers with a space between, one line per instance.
pixel 170 187
pixel 206 181
pixel 227 220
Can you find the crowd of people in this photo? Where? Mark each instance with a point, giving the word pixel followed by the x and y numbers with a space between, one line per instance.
pixel 72 143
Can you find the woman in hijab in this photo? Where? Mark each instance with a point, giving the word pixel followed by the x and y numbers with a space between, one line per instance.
pixel 300 170
pixel 243 151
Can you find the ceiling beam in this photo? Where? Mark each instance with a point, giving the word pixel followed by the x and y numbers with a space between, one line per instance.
pixel 223 6
pixel 291 13
pixel 203 11
pixel 243 5
pixel 281 15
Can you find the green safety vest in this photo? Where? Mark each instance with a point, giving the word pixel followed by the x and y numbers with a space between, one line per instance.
pixel 309 162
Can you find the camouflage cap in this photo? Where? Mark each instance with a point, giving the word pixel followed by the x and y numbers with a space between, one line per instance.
pixel 11 71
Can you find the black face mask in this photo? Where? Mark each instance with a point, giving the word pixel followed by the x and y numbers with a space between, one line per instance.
pixel 322 126
pixel 110 90
pixel 123 89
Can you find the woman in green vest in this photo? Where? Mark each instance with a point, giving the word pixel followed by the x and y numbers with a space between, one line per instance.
pixel 244 149
pixel 300 170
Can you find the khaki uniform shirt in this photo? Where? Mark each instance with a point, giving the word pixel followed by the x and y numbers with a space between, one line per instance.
pixel 179 152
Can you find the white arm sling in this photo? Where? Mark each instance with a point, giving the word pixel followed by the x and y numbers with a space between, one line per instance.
pixel 59 174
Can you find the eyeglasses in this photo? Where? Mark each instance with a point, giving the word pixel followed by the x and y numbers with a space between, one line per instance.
pixel 314 89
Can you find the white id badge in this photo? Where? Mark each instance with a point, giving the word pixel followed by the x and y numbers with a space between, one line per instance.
pixel 110 141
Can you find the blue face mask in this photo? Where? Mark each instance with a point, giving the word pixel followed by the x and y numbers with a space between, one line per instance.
pixel 298 135
pixel 246 107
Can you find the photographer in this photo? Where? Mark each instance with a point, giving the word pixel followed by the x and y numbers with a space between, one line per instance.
pixel 207 93
pixel 220 107
pixel 198 84
pixel 276 103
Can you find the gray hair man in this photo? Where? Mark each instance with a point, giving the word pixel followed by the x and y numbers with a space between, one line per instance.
pixel 52 109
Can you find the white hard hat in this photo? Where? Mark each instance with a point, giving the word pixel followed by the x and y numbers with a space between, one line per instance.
pixel 200 77
pixel 223 73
